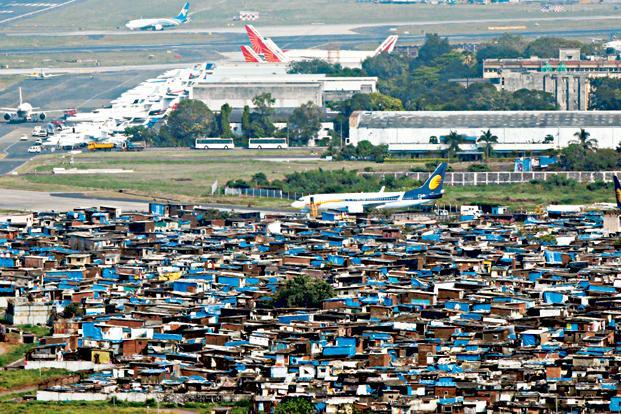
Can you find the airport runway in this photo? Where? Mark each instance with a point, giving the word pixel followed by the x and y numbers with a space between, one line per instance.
pixel 11 10
pixel 311 29
pixel 210 50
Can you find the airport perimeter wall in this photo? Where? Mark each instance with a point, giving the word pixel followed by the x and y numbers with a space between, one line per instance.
pixel 503 177
pixel 452 178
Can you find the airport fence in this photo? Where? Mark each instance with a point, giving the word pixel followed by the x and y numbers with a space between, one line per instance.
pixel 261 193
pixel 452 178
pixel 502 177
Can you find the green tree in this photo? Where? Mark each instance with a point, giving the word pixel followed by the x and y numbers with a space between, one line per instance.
pixel 547 47
pixel 605 94
pixel 295 405
pixel 224 121
pixel 245 121
pixel 321 66
pixel 433 47
pixel 585 141
pixel 453 139
pixel 190 120
pixel 141 134
pixel 304 124
pixel 261 118
pixel 260 179
pixel 303 291
pixel 73 310
pixel 489 140
pixel 433 139
pixel 548 139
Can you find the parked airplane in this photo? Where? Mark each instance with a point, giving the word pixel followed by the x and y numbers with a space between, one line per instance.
pixel 613 44
pixel 25 112
pixel 617 191
pixel 273 54
pixel 42 75
pixel 357 202
pixel 161 23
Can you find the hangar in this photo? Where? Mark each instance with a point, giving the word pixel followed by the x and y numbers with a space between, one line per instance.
pixel 517 131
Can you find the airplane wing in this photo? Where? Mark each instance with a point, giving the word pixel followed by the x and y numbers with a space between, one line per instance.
pixel 9 109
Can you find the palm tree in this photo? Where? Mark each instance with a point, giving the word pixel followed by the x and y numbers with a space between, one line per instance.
pixel 584 140
pixel 488 138
pixel 453 140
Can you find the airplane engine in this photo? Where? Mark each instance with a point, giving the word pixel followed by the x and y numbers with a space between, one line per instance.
pixel 41 116
pixel 158 27
pixel 7 117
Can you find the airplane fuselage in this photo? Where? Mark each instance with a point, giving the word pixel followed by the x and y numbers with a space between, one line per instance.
pixel 357 202
pixel 152 24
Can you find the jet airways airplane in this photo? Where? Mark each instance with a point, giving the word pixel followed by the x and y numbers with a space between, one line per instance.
pixel 357 202
pixel 161 23
pixel 273 54
pixel 25 112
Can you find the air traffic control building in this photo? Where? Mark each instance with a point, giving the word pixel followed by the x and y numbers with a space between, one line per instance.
pixel 516 130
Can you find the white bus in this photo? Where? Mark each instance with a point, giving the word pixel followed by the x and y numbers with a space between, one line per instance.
pixel 267 143
pixel 214 143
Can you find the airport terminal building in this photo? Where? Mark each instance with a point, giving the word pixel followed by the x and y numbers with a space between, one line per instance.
pixel 517 131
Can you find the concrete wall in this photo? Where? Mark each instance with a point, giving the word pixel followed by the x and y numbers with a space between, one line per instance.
pixel 28 313
pixel 73 366
pixel 287 95
pixel 608 137
pixel 571 91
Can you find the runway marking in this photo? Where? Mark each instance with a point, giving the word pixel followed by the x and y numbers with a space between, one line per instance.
pixel 52 6
pixel 6 11
pixel 32 4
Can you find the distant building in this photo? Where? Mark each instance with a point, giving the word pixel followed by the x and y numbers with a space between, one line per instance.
pixel 237 86
pixel 567 78
pixel 517 131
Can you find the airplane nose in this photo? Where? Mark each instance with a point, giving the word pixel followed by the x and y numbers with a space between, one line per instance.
pixel 297 204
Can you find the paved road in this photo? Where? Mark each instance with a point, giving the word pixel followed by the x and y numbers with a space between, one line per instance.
pixel 312 29
pixel 15 150
pixel 212 50
pixel 163 67
pixel 82 91
pixel 11 10
pixel 23 200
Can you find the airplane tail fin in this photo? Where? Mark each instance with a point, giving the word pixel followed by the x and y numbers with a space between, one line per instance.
pixel 387 45
pixel 273 53
pixel 250 55
pixel 183 13
pixel 617 191
pixel 256 40
pixel 432 188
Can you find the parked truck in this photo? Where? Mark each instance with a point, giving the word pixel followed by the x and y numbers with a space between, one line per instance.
pixel 100 146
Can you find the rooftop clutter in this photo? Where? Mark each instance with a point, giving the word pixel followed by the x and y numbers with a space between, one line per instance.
pixel 502 313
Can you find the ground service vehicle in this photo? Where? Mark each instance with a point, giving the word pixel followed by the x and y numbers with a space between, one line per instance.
pixel 267 143
pixel 214 143
pixel 35 149
pixel 100 146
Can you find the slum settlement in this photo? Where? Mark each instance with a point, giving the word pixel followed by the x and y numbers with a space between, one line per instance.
pixel 512 313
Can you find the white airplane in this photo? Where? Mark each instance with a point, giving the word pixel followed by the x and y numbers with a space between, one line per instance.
pixel 42 75
pixel 271 53
pixel 25 112
pixel 158 24
pixel 357 202
pixel 613 44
